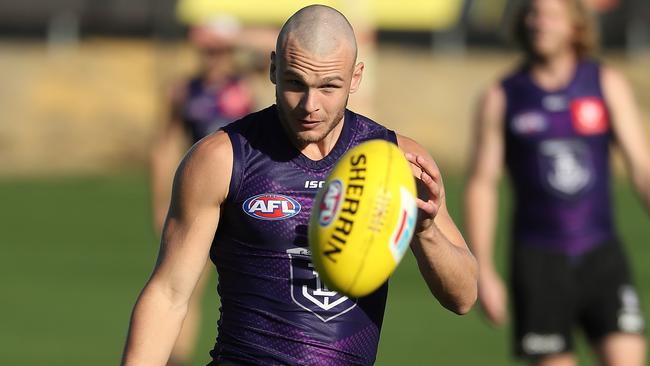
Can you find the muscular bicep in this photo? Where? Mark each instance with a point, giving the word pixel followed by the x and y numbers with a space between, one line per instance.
pixel 200 186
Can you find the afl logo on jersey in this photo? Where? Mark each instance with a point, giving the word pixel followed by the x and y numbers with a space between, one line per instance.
pixel 271 206
pixel 331 202
pixel 529 122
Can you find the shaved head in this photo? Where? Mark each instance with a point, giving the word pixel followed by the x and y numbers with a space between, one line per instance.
pixel 318 29
pixel 314 70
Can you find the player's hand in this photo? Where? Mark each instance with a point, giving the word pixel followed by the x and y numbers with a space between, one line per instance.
pixel 429 187
pixel 493 297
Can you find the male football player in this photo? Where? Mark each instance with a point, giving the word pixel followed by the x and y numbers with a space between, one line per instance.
pixel 552 122
pixel 209 100
pixel 240 199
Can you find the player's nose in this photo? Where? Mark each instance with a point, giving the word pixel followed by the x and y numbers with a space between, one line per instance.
pixel 309 102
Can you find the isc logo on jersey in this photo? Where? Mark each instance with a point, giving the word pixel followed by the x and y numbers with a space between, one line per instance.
pixel 270 206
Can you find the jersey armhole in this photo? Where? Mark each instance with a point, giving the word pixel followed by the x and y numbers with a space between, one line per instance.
pixel 237 169
pixel 505 116
pixel 391 136
pixel 600 87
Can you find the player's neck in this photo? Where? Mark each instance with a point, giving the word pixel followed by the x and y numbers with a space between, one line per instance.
pixel 319 150
pixel 554 72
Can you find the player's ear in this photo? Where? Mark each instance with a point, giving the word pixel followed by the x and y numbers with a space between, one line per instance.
pixel 357 75
pixel 273 68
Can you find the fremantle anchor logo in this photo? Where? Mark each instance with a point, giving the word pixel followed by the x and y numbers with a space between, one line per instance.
pixel 310 293
pixel 566 166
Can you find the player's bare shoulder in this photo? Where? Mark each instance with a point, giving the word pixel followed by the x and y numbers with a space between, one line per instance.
pixel 207 167
pixel 613 82
pixel 492 104
pixel 610 74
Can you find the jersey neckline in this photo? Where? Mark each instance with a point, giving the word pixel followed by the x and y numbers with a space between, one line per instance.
pixel 562 89
pixel 340 147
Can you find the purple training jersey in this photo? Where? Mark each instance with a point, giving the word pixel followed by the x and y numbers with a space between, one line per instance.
pixel 207 109
pixel 557 153
pixel 274 308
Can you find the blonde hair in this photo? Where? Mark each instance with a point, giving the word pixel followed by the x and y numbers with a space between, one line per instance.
pixel 585 42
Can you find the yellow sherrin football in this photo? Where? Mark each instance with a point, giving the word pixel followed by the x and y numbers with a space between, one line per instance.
pixel 363 218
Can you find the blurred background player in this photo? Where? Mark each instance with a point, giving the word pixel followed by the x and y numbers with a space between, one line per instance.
pixel 217 95
pixel 552 121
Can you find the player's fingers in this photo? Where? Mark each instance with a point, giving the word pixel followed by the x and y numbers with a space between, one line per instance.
pixel 430 178
pixel 429 207
pixel 432 186
pixel 410 157
pixel 429 167
pixel 426 206
pixel 415 168
pixel 413 159
pixel 434 190
pixel 429 200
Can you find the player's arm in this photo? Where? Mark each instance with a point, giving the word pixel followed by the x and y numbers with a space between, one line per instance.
pixel 200 186
pixel 481 199
pixel 630 136
pixel 167 149
pixel 445 262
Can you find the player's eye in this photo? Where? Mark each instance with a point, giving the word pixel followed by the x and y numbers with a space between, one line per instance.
pixel 294 85
pixel 329 87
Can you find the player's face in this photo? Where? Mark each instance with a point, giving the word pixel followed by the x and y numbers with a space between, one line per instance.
pixel 550 27
pixel 216 59
pixel 312 91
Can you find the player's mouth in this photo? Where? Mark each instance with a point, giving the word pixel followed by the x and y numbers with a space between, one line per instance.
pixel 309 124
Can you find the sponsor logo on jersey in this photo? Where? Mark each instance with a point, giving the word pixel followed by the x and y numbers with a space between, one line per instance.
pixel 329 205
pixel 566 166
pixel 308 292
pixel 589 116
pixel 271 206
pixel 313 184
pixel 528 123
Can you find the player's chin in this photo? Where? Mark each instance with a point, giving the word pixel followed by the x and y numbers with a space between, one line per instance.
pixel 311 136
pixel 546 49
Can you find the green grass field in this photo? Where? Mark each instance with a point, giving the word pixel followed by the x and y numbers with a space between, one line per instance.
pixel 76 252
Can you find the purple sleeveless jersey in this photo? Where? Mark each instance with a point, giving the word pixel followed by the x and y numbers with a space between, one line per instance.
pixel 208 109
pixel 274 308
pixel 557 153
